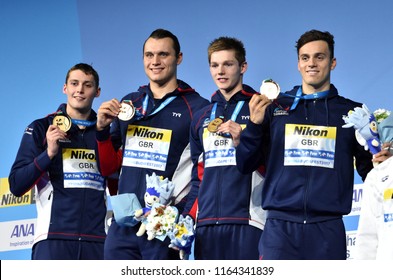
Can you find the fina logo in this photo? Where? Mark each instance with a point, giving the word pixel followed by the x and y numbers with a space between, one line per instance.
pixel 23 230
pixel 280 112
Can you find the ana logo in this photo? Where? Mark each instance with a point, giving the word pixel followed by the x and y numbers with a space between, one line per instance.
pixel 23 230
pixel 357 195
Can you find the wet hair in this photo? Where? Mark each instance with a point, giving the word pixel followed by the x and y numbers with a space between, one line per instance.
pixel 316 35
pixel 87 69
pixel 228 43
pixel 161 34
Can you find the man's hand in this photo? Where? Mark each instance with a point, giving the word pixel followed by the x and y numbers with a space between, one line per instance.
pixel 232 128
pixel 107 112
pixel 258 105
pixel 384 154
pixel 53 135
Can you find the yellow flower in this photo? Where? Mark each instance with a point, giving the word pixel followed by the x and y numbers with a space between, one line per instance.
pixel 181 230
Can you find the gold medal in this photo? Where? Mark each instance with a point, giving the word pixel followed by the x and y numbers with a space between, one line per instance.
pixel 270 88
pixel 127 110
pixel 63 122
pixel 214 124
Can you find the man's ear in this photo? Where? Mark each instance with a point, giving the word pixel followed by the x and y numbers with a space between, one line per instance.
pixel 98 92
pixel 334 63
pixel 243 67
pixel 179 58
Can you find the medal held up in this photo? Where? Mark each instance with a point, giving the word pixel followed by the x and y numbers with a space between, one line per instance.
pixel 214 124
pixel 127 110
pixel 63 122
pixel 270 89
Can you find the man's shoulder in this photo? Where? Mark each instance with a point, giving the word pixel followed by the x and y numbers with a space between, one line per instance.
pixel 349 102
pixel 195 99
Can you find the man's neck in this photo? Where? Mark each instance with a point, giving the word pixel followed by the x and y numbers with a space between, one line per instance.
pixel 78 115
pixel 160 90
pixel 228 94
pixel 307 89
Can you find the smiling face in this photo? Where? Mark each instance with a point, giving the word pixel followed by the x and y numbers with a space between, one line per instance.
pixel 81 89
pixel 226 72
pixel 315 64
pixel 151 199
pixel 160 60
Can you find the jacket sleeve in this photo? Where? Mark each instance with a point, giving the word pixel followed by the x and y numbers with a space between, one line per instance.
pixel 196 148
pixel 110 158
pixel 363 161
pixel 366 235
pixel 249 152
pixel 31 161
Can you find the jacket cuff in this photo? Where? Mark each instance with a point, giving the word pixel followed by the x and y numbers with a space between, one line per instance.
pixel 103 135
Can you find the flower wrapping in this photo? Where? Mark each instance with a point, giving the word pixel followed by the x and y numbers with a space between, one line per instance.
pixel 183 234
pixel 385 125
pixel 124 207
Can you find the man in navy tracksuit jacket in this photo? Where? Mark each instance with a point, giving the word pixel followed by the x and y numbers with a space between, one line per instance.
pixel 156 139
pixel 225 204
pixel 63 167
pixel 309 167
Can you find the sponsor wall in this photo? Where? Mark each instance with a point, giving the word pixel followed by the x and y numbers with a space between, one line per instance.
pixel 44 38
pixel 17 223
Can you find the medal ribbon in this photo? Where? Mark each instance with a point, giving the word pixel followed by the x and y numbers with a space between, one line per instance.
pixel 316 95
pixel 83 122
pixel 145 102
pixel 78 122
pixel 238 107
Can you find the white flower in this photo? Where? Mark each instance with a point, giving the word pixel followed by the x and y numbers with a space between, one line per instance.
pixel 381 114
pixel 160 221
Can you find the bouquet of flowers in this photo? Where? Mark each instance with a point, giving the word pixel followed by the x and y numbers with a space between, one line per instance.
pixel 370 128
pixel 381 114
pixel 384 119
pixel 160 221
pixel 182 236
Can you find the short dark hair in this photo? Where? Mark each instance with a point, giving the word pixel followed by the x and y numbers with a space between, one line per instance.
pixel 228 43
pixel 161 34
pixel 316 35
pixel 87 69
